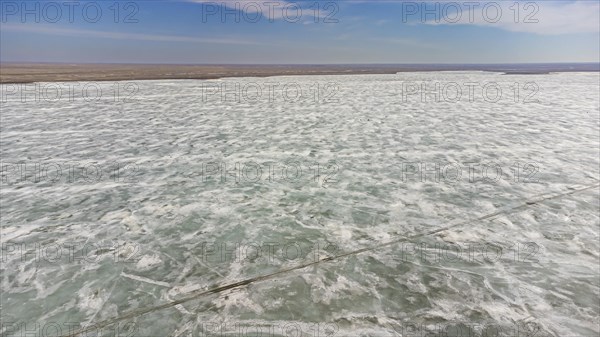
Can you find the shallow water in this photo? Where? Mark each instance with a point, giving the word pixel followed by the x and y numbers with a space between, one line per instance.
pixel 148 207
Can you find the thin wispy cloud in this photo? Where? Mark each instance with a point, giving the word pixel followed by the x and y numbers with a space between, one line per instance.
pixel 540 17
pixel 60 31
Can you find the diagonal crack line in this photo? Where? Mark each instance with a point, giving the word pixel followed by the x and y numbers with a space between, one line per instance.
pixel 222 288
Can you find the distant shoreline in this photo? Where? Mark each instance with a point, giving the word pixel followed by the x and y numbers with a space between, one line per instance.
pixel 52 72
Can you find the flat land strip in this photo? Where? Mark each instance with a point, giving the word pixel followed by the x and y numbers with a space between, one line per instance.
pixel 46 72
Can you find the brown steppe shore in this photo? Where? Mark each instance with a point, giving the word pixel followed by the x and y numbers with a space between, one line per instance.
pixel 26 73
pixel 47 72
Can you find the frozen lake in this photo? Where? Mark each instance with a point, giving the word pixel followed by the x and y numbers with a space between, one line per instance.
pixel 120 206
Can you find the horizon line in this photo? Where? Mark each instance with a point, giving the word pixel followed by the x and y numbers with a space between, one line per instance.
pixel 292 64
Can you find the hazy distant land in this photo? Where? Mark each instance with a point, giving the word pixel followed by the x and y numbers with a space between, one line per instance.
pixel 46 72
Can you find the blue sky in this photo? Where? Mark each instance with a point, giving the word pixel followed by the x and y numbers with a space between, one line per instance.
pixel 256 32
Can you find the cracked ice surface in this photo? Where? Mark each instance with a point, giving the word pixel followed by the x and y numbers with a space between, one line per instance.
pixel 87 245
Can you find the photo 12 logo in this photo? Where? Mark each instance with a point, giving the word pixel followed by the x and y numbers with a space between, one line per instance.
pixel 67 172
pixel 269 11
pixel 453 12
pixel 293 171
pixel 470 329
pixel 69 92
pixel 454 92
pixel 469 252
pixel 452 173
pixel 266 252
pixel 60 329
pixel 69 11
pixel 82 251
pixel 266 329
pixel 252 92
